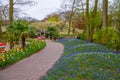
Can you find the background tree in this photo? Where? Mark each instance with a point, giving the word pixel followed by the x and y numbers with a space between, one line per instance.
pixel 15 8
pixel 1 9
pixel 70 10
pixel 95 8
pixel 11 11
pixel 93 20
pixel 0 27
pixel 87 21
pixel 105 13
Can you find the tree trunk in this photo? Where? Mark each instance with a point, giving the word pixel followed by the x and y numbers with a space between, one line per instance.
pixel 69 27
pixel 23 41
pixel 73 30
pixel 0 27
pixel 94 14
pixel 82 9
pixel 95 8
pixel 70 17
pixel 87 21
pixel 11 11
pixel 73 6
pixel 105 13
pixel 0 33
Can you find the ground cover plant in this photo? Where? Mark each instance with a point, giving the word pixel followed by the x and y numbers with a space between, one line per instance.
pixel 82 60
pixel 17 54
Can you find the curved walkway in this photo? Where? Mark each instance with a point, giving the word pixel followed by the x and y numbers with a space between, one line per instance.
pixel 35 66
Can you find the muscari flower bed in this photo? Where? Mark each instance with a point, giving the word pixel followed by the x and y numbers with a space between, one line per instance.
pixel 17 54
pixel 82 60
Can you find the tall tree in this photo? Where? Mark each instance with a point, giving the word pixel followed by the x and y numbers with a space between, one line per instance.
pixel 0 27
pixel 93 18
pixel 105 13
pixel 14 12
pixel 87 21
pixel 95 8
pixel 72 13
pixel 0 24
pixel 10 11
pixel 71 16
pixel 82 8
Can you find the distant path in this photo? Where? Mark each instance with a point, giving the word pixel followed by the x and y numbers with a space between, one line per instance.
pixel 32 68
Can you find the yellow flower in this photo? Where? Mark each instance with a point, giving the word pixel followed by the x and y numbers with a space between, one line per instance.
pixel 3 56
pixel 0 57
pixel 7 57
pixel 13 54
pixel 17 49
pixel 3 59
pixel 21 49
pixel 26 50
pixel 2 53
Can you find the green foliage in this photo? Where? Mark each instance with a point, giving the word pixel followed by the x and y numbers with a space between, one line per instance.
pixel 118 17
pixel 52 19
pixel 115 41
pixel 95 21
pixel 67 35
pixel 52 33
pixel 17 54
pixel 109 37
pixel 15 30
pixel 32 32
pixel 19 30
pixel 81 36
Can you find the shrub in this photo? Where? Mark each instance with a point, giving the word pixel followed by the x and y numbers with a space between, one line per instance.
pixel 115 41
pixel 109 37
pixel 52 33
pixel 81 36
pixel 67 35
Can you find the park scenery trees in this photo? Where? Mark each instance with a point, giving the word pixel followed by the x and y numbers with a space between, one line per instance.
pixel 93 55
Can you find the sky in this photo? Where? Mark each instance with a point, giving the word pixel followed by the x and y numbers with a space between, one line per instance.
pixel 43 8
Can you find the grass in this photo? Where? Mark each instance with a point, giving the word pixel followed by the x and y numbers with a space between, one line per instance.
pixel 85 61
pixel 18 54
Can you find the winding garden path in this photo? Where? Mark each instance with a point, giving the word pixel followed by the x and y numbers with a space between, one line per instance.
pixel 35 66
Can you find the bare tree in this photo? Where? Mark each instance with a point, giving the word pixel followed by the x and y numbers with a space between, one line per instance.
pixel 71 16
pixel 16 11
pixel 73 10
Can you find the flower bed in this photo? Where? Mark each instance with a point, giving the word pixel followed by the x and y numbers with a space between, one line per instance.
pixel 85 61
pixel 17 54
pixel 2 47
